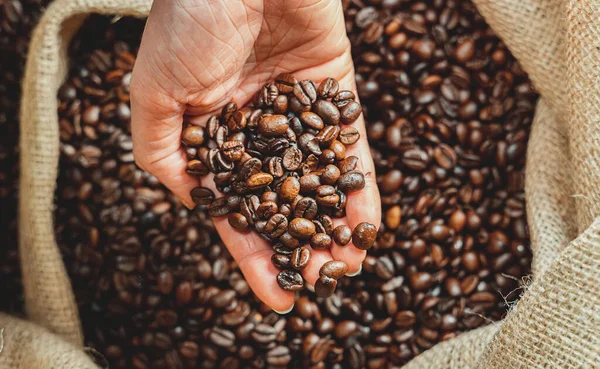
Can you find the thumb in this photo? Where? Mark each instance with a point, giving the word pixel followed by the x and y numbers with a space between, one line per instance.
pixel 156 121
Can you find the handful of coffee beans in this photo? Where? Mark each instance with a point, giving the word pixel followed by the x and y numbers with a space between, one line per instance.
pixel 281 164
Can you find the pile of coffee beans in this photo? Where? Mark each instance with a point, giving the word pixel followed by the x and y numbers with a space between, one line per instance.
pixel 282 166
pixel 17 19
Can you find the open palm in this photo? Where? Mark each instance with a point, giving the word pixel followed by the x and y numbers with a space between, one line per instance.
pixel 198 55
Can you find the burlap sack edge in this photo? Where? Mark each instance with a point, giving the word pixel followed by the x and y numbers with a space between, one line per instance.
pixel 49 299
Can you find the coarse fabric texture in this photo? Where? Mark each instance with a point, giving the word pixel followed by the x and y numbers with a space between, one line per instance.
pixel 556 322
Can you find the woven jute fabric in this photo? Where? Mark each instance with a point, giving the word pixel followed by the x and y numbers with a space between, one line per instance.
pixel 556 322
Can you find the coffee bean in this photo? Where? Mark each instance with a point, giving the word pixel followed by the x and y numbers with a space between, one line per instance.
pixel 193 136
pixel 306 208
pixel 290 280
pixel 325 286
pixel 342 235
pixel 311 120
pixel 350 112
pixel 343 98
pixel 349 135
pixel 301 228
pixel 266 209
pixel 233 150
pixel 285 83
pixel 273 125
pixel 259 180
pixel 238 221
pixel 292 158
pixel 328 88
pixel 219 207
pixel 327 111
pixel 299 258
pixel 363 236
pixel 309 183
pixel 281 261
pixel 333 269
pixel 305 91
pixel 236 121
pixel 202 195
pixel 351 181
pixel 330 175
pixel 276 226
pixel 327 196
pixel 348 164
pixel 290 188
pixel 320 241
pixel 196 168
pixel 221 337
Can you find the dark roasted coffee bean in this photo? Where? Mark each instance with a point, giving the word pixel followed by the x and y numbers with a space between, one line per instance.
pixel 193 136
pixel 349 136
pixel 320 241
pixel 305 91
pixel 280 105
pixel 343 98
pixel 273 125
pixel 290 280
pixel 327 135
pixel 236 121
pixel 351 181
pixel 196 168
pixel 325 286
pixel 350 112
pixel 342 235
pixel 276 226
pixel 339 150
pixel 281 261
pixel 363 236
pixel 292 158
pixel 289 241
pixel 348 164
pixel 202 195
pixel 266 209
pixel 327 223
pixel 311 120
pixel 327 111
pixel 219 207
pixel 285 83
pixel 299 258
pixel 233 150
pixel 221 337
pixel 309 183
pixel 227 111
pixel 301 228
pixel 327 196
pixel 328 88
pixel 330 175
pixel 267 95
pixel 333 269
pixel 306 208
pixel 238 221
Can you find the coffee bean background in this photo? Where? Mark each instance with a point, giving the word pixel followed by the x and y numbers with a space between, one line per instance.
pixel 448 112
pixel 17 19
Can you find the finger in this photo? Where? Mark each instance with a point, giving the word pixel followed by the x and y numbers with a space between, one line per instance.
pixel 253 255
pixel 349 254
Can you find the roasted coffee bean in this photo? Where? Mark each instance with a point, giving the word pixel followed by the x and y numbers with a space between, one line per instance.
pixel 285 83
pixel 238 221
pixel 342 235
pixel 196 168
pixel 311 120
pixel 328 88
pixel 349 135
pixel 333 269
pixel 305 91
pixel 330 175
pixel 327 111
pixel 299 258
pixel 292 158
pixel 363 236
pixel 202 195
pixel 236 121
pixel 273 125
pixel 326 196
pixel 276 226
pixel 325 286
pixel 259 180
pixel 227 111
pixel 233 150
pixel 348 164
pixel 327 135
pixel 267 95
pixel 306 208
pixel 350 112
pixel 266 209
pixel 289 190
pixel 281 261
pixel 219 207
pixel 309 183
pixel 290 280
pixel 193 136
pixel 320 241
pixel 343 98
pixel 351 181
pixel 301 228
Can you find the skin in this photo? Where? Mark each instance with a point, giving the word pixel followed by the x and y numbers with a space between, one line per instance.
pixel 197 55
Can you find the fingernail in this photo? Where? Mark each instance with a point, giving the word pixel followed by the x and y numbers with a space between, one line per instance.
pixel 188 205
pixel 355 273
pixel 286 311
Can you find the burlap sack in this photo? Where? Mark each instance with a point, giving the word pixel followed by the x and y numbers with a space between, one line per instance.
pixel 555 324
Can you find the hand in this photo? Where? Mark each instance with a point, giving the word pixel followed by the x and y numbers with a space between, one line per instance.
pixel 197 55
